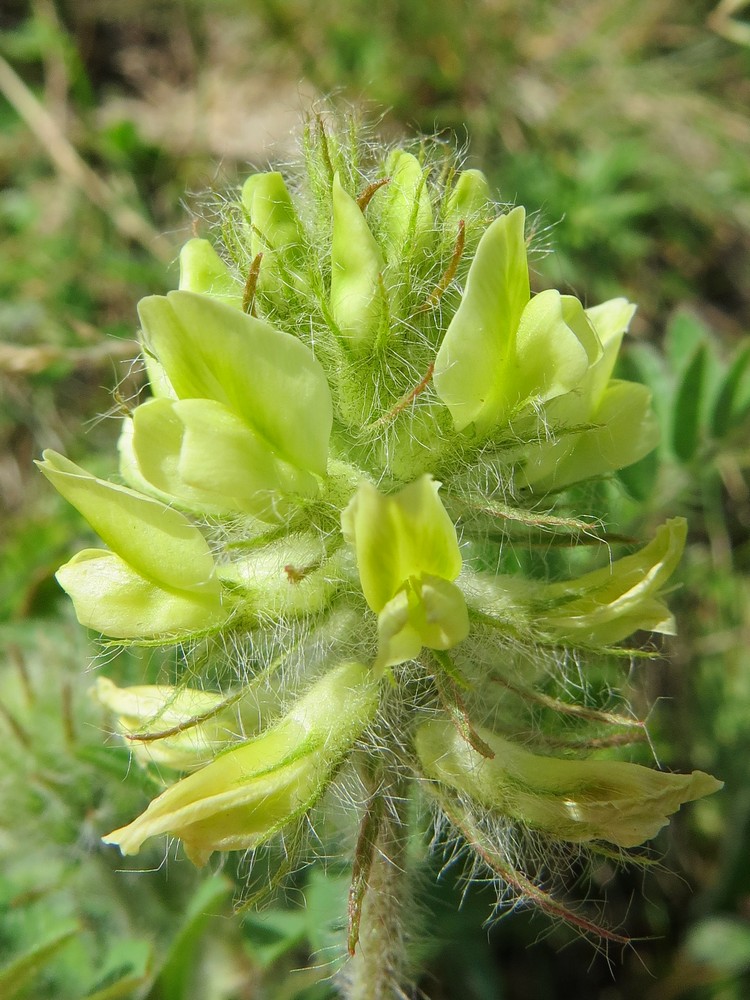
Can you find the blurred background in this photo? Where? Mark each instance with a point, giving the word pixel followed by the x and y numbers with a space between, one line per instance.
pixel 624 126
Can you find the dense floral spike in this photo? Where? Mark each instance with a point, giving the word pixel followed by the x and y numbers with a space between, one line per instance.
pixel 358 335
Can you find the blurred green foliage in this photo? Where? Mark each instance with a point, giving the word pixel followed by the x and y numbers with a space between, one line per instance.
pixel 624 125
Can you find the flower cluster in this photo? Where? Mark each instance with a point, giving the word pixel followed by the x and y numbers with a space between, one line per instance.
pixel 355 401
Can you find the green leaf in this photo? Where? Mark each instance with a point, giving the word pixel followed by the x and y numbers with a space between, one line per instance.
pixel 21 971
pixel 209 903
pixel 733 399
pixel 720 942
pixel 269 379
pixel 684 335
pixel 686 412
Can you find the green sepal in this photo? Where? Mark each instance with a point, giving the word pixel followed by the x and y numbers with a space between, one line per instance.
pixel 269 379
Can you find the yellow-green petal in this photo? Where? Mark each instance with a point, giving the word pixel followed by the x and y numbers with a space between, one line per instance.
pixel 397 537
pixel 198 451
pixel 268 378
pixel 481 338
pixel 196 724
pixel 158 542
pixel 244 796
pixel 110 597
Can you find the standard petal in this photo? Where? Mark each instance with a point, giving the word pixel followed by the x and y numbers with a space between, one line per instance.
pixel 481 339
pixel 269 379
pixel 397 537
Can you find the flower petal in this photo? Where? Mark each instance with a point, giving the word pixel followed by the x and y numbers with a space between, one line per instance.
pixel 269 379
pixel 158 542
pixel 481 338
pixel 110 597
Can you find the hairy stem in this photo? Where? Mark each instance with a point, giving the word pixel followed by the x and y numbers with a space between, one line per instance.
pixel 378 969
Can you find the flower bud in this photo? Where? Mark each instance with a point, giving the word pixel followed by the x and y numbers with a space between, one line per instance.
pixel 202 270
pixel 405 209
pixel 275 232
pixel 246 795
pixel 575 800
pixel 357 303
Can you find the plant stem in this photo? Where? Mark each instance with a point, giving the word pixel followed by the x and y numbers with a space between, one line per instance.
pixel 379 967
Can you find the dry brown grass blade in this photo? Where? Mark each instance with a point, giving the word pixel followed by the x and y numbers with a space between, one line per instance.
pixel 69 163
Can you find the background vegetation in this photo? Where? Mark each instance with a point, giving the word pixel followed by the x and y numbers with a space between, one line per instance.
pixel 624 125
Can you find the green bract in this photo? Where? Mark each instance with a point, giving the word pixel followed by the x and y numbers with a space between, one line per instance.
pixel 358 415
